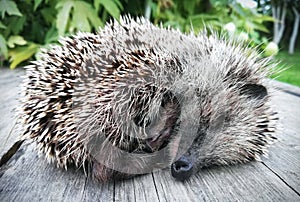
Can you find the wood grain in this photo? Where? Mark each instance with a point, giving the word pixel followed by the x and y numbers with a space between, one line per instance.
pixel 284 158
pixel 9 87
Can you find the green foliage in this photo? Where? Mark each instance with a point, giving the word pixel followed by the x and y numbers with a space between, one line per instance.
pixel 3 48
pixel 9 7
pixel 33 24
pixel 113 7
pixel 197 14
pixel 291 64
pixel 19 54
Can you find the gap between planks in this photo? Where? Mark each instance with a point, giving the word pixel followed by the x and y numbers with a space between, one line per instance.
pixel 287 184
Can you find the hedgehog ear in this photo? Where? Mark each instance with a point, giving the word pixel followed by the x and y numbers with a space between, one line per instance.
pixel 254 91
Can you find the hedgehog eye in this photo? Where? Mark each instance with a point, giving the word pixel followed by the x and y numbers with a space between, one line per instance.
pixel 168 97
pixel 142 120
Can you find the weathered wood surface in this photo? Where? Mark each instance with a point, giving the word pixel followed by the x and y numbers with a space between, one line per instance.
pixel 9 87
pixel 26 177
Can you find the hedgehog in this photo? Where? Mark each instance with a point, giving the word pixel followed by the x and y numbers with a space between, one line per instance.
pixel 135 97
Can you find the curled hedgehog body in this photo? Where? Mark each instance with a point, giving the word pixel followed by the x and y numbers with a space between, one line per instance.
pixel 135 97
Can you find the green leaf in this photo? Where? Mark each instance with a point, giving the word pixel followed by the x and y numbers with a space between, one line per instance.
pixel 189 6
pixel 84 16
pixel 260 27
pixel 222 3
pixel 3 47
pixel 15 40
pixel 80 16
pixel 111 7
pixel 49 15
pixel 21 54
pixel 15 25
pixel 94 18
pixel 97 4
pixel 261 18
pixel 64 9
pixel 2 26
pixel 9 7
pixel 18 24
pixel 37 32
pixel 119 4
pixel 36 4
pixel 51 35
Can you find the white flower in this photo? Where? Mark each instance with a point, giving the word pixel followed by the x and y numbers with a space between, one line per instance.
pixel 243 36
pixel 230 27
pixel 248 3
pixel 271 49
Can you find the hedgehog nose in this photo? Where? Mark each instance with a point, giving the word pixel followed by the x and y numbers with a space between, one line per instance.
pixel 182 169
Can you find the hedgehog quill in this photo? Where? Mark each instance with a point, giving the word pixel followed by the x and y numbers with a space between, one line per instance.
pixel 135 98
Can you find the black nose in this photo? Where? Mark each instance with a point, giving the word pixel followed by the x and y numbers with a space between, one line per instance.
pixel 182 169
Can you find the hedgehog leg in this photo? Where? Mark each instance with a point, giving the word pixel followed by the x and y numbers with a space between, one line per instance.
pixel 105 174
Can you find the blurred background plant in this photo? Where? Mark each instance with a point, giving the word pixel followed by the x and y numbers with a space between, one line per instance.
pixel 26 26
pixel 30 25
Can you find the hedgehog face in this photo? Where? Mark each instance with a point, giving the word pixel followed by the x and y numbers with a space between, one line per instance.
pixel 223 134
pixel 184 134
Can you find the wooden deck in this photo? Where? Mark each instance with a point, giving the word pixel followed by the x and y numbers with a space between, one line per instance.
pixel 25 177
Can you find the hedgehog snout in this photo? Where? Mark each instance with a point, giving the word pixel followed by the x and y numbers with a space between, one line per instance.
pixel 182 169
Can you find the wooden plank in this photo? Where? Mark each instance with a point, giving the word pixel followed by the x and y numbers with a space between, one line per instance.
pixel 95 191
pixel 140 188
pixel 9 87
pixel 284 158
pixel 124 190
pixel 29 178
pixel 249 182
pixel 285 87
